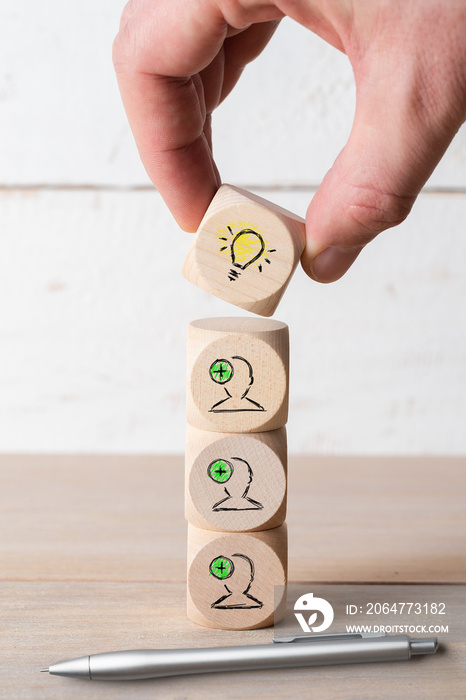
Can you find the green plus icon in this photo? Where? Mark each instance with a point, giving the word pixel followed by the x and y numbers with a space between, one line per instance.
pixel 221 371
pixel 221 567
pixel 220 470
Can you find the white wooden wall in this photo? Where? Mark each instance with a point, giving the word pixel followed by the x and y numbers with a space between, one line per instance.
pixel 93 308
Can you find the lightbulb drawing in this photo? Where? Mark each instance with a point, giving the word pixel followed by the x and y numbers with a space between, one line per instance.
pixel 246 248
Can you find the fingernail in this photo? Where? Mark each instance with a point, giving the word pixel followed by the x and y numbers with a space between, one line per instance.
pixel 333 262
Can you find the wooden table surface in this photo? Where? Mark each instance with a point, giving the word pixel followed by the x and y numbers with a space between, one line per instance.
pixel 92 558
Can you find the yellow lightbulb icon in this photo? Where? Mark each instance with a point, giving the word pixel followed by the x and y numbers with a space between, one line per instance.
pixel 246 247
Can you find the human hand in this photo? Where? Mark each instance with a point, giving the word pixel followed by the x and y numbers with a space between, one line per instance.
pixel 176 60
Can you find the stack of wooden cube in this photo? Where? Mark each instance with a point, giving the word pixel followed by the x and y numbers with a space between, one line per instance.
pixel 237 409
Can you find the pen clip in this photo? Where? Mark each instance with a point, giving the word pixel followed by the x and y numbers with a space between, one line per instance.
pixel 306 638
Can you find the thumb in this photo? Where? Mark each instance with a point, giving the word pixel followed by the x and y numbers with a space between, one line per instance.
pixel 358 198
pixel 399 134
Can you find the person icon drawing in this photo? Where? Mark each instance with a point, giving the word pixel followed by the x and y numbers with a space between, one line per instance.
pixel 237 473
pixel 239 377
pixel 240 575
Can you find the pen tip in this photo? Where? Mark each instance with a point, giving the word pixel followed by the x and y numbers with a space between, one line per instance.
pixel 44 670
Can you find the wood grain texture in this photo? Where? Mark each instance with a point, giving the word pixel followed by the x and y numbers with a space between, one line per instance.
pixel 45 621
pixel 245 250
pixel 93 558
pixel 237 374
pixel 249 493
pixel 104 518
pixel 231 577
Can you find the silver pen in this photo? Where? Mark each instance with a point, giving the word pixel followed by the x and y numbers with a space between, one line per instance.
pixel 306 650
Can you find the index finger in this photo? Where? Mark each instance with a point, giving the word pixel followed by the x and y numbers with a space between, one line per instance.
pixel 158 58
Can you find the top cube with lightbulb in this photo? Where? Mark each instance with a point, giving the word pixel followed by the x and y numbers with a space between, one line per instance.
pixel 245 250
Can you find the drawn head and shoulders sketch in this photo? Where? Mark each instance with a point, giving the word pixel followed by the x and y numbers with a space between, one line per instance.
pixel 240 575
pixel 239 377
pixel 235 474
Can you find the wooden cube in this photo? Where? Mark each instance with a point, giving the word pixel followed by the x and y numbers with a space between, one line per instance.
pixel 237 374
pixel 235 483
pixel 245 250
pixel 231 577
